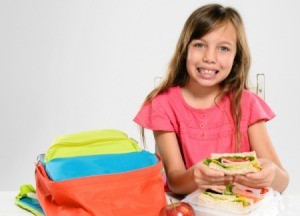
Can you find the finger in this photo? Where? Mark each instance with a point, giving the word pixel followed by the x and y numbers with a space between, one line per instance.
pixel 257 175
pixel 257 185
pixel 241 180
pixel 218 187
pixel 229 179
pixel 223 180
pixel 219 180
pixel 197 172
pixel 213 181
pixel 211 172
pixel 236 178
pixel 248 178
pixel 254 183
pixel 213 187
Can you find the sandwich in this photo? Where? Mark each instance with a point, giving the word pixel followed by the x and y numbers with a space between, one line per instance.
pixel 251 193
pixel 234 163
pixel 225 200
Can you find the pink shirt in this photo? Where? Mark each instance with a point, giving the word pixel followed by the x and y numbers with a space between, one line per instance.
pixel 201 132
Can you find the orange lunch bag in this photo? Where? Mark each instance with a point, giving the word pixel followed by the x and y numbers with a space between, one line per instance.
pixel 72 181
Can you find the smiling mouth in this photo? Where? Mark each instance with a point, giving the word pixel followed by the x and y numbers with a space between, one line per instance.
pixel 207 72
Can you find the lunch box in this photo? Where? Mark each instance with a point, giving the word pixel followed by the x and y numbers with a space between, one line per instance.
pixel 267 202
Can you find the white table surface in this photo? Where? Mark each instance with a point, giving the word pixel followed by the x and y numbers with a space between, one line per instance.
pixel 8 207
pixel 289 205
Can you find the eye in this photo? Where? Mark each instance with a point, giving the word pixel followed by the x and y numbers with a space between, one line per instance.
pixel 224 49
pixel 199 45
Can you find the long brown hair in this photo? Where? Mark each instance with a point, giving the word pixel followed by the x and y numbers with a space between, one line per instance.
pixel 202 21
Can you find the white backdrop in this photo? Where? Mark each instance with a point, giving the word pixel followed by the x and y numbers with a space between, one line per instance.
pixel 70 65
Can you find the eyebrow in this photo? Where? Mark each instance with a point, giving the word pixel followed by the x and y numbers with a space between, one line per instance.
pixel 221 42
pixel 228 43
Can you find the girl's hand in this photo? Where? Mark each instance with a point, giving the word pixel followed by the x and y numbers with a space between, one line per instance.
pixel 261 179
pixel 206 178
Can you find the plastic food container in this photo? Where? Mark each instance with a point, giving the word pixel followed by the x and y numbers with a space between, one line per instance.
pixel 266 202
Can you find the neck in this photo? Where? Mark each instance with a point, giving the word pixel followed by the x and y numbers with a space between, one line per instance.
pixel 201 97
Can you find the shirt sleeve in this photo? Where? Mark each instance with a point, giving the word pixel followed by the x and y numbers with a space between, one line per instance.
pixel 153 116
pixel 260 110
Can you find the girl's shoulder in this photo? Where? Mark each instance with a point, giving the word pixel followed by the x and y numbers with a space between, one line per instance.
pixel 248 93
pixel 253 103
pixel 170 100
pixel 171 92
pixel 251 96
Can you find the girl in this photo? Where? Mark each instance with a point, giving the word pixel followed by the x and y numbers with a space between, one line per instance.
pixel 203 106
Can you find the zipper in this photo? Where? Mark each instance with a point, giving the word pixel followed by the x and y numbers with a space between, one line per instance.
pixel 72 148
pixel 81 143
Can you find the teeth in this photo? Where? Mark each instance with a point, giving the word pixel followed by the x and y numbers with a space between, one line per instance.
pixel 207 71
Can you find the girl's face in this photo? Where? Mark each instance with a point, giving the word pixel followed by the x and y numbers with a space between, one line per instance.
pixel 210 58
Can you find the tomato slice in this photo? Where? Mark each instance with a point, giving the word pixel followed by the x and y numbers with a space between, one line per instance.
pixel 263 191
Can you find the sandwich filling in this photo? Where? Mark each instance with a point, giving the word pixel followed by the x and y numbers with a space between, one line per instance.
pixel 227 196
pixel 233 162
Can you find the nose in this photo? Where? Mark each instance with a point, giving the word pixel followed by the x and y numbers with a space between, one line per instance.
pixel 209 56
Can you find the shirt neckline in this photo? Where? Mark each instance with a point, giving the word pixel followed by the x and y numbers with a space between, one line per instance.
pixel 209 109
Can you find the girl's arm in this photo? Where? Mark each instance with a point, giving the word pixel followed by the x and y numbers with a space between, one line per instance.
pixel 182 180
pixel 272 173
pixel 179 179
